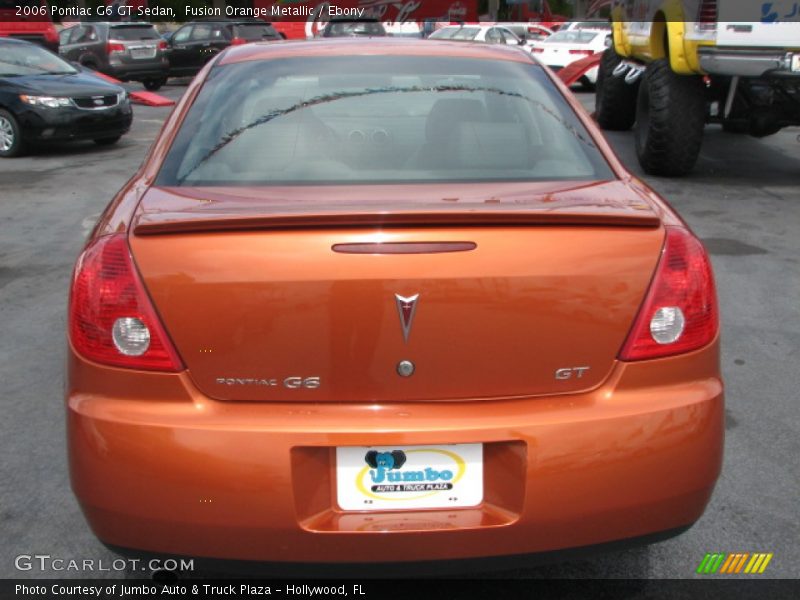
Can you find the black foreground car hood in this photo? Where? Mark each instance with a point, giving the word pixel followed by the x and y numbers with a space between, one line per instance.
pixel 78 84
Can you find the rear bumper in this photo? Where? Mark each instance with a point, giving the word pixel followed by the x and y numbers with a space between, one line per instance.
pixel 746 62
pixel 139 72
pixel 158 467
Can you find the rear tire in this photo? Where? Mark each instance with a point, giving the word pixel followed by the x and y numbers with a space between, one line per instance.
pixel 615 100
pixel 108 141
pixel 729 127
pixel 670 118
pixel 11 140
pixel 154 84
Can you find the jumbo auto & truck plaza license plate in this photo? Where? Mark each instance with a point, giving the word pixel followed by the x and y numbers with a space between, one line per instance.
pixel 409 477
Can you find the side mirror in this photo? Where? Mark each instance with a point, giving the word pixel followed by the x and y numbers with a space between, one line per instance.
pixel 521 41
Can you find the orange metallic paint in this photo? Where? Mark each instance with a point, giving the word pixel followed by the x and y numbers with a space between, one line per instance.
pixel 159 465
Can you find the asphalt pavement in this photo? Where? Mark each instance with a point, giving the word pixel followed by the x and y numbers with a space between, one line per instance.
pixel 743 200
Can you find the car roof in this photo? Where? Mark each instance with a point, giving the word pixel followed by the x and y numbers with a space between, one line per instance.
pixel 389 46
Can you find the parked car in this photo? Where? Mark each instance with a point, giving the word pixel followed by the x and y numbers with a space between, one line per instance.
pixel 28 20
pixel 568 45
pixel 127 51
pixel 194 44
pixel 490 34
pixel 391 300
pixel 353 28
pixel 45 99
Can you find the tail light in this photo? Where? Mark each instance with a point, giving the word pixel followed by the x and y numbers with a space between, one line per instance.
pixel 114 47
pixel 680 311
pixel 537 50
pixel 707 17
pixel 582 52
pixel 111 318
pixel 162 45
pixel 237 41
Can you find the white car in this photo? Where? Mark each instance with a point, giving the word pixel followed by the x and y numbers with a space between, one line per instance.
pixel 488 34
pixel 565 47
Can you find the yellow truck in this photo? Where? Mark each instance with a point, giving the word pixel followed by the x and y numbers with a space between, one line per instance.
pixel 677 65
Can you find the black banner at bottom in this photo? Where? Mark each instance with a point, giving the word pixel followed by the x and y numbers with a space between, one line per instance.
pixel 411 588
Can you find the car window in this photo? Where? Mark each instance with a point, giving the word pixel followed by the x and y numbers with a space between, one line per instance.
pixel 256 31
pixel 201 31
pixel 572 36
pixel 64 34
pixel 221 32
pixel 182 35
pixel 510 37
pixel 133 32
pixel 84 35
pixel 371 119
pixel 494 36
pixel 455 33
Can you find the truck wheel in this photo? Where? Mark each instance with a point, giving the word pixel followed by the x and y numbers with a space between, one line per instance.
pixel 615 100
pixel 670 117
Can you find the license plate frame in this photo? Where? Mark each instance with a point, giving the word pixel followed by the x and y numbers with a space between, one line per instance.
pixel 143 52
pixel 442 476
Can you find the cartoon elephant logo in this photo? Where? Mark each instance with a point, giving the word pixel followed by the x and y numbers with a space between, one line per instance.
pixel 388 460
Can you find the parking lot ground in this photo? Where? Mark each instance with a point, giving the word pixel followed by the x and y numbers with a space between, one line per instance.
pixel 743 200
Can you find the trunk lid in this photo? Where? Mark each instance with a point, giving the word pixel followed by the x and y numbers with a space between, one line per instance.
pixel 268 298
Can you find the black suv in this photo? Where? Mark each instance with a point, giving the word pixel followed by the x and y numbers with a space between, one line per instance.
pixel 127 51
pixel 194 44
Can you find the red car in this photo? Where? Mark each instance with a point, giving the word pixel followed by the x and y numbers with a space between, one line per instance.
pixel 391 300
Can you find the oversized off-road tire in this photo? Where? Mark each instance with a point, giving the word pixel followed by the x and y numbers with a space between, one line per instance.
pixel 615 100
pixel 670 118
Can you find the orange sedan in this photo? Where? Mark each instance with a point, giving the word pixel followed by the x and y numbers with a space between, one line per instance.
pixel 389 300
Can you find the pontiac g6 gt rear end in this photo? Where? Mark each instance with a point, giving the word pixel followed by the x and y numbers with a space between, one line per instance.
pixel 398 301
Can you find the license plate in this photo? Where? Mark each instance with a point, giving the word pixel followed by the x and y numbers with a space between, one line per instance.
pixel 147 52
pixel 796 63
pixel 409 477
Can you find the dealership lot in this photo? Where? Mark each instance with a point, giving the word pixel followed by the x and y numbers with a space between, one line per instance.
pixel 743 199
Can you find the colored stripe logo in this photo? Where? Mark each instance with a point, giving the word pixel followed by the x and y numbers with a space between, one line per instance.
pixel 734 563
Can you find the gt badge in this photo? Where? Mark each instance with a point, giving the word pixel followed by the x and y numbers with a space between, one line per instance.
pixel 406 308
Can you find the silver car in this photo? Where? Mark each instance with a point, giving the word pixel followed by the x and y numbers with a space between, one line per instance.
pixel 126 51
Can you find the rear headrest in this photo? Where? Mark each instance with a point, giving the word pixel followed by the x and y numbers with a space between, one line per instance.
pixel 491 146
pixel 448 113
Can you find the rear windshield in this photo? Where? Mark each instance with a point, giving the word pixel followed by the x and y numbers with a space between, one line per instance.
pixel 354 28
pixel 379 119
pixel 134 32
pixel 257 31
pixel 456 33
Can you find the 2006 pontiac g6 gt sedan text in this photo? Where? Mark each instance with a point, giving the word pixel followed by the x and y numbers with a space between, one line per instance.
pixel 388 300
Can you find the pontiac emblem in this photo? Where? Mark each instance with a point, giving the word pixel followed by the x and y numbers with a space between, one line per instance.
pixel 406 307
